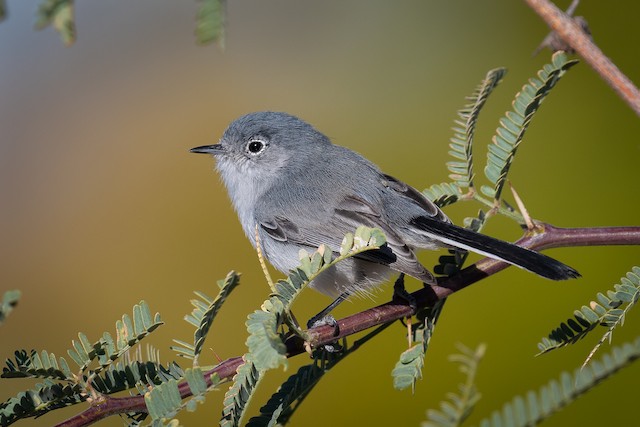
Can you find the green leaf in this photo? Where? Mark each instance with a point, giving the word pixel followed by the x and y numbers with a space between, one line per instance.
pixel 203 315
pixel 163 401
pixel 296 388
pixel 81 353
pixel 266 349
pixel 195 379
pixel 183 349
pixel 454 411
pixel 107 378
pixel 265 342
pixel 290 395
pixel 129 333
pixel 34 365
pixel 60 14
pixel 361 237
pixel 237 398
pixel 569 332
pixel 608 312
pixel 443 194
pixel 9 301
pixel 376 240
pixel 347 244
pixel 126 376
pixel 557 394
pixel 462 141
pixel 44 397
pixel 408 369
pixel 515 123
pixel 210 22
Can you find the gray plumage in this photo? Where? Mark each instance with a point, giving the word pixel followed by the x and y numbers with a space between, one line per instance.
pixel 301 191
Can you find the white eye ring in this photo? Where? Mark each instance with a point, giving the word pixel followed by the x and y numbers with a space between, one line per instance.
pixel 255 146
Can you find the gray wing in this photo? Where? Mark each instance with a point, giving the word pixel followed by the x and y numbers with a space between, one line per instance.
pixel 430 209
pixel 351 212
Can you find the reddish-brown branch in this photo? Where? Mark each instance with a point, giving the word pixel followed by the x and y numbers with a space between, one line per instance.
pixel 549 237
pixel 121 405
pixel 572 34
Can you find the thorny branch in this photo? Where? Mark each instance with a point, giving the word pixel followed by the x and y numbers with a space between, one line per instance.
pixel 549 237
pixel 571 32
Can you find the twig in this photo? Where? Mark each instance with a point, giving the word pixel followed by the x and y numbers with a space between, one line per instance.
pixel 523 209
pixel 554 42
pixel 571 33
pixel 549 237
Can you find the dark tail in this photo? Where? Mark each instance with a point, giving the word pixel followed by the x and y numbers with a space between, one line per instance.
pixel 470 240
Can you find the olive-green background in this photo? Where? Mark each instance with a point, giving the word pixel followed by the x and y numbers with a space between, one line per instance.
pixel 102 205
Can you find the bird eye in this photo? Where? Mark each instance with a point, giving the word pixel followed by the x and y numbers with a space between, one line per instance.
pixel 255 146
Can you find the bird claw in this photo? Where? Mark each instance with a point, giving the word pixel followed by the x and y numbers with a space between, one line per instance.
pixel 400 294
pixel 322 320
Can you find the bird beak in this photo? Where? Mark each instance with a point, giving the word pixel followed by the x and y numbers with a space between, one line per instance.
pixel 208 149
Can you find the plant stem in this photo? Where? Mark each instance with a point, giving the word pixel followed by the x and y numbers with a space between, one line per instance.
pixel 573 35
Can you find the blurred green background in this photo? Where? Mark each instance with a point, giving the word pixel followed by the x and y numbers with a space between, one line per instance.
pixel 102 204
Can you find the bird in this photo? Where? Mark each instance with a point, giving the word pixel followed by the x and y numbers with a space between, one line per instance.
pixel 289 182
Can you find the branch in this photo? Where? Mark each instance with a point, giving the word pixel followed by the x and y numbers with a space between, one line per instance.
pixel 572 34
pixel 547 237
pixel 108 406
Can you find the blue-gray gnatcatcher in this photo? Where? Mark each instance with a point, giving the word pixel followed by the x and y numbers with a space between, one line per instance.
pixel 301 191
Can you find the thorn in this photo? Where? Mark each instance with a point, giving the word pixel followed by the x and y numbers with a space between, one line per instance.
pixel 216 355
pixel 94 398
pixel 572 7
pixel 263 265
pixel 409 332
pixel 293 319
pixel 523 210
pixel 556 43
